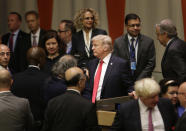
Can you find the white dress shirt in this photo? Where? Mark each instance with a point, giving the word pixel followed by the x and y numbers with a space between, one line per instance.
pixel 103 71
pixel 87 42
pixel 37 36
pixel 157 120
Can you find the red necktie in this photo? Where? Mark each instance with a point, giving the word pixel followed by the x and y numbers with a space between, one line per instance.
pixel 150 121
pixel 11 42
pixel 34 41
pixel 96 81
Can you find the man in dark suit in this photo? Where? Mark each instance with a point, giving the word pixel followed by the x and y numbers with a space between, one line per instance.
pixel 137 48
pixel 36 33
pixel 70 111
pixel 66 33
pixel 148 112
pixel 29 84
pixel 15 112
pixel 115 77
pixel 86 21
pixel 181 126
pixel 173 63
pixel 17 41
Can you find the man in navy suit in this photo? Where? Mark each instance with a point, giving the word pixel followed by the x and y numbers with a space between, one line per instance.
pixel 115 79
pixel 36 33
pixel 148 112
pixel 17 41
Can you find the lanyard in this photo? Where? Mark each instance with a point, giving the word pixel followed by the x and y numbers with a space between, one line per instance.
pixel 130 45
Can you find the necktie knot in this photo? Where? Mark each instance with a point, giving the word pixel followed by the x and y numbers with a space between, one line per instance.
pixel 101 62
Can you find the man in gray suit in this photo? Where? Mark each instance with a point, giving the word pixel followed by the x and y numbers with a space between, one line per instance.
pixel 136 48
pixel 15 113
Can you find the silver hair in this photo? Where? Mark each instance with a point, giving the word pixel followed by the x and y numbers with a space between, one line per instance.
pixel 64 63
pixel 146 87
pixel 105 39
pixel 167 26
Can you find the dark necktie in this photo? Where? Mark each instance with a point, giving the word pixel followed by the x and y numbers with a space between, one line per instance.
pixel 96 81
pixel 34 41
pixel 150 125
pixel 11 42
pixel 132 56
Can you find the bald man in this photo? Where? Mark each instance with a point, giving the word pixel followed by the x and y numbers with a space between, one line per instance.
pixel 15 112
pixel 70 111
pixel 4 56
pixel 29 84
pixel 181 126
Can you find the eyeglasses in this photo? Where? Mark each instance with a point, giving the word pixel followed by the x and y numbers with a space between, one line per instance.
pixel 133 25
pixel 172 93
pixel 89 18
pixel 5 53
pixel 60 31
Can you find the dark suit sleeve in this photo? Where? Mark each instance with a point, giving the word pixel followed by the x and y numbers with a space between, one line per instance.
pixel 126 76
pixel 48 121
pixel 91 120
pixel 151 61
pixel 178 61
pixel 181 124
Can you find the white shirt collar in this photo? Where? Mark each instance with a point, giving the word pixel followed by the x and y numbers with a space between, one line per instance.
pixel 4 91
pixel 107 58
pixel 37 33
pixel 34 66
pixel 74 90
pixel 16 32
pixel 169 41
pixel 130 37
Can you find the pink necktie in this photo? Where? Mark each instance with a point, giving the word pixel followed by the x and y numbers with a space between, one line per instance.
pixel 96 81
pixel 150 121
pixel 11 42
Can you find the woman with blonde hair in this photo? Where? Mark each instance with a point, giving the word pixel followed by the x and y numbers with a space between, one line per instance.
pixel 86 21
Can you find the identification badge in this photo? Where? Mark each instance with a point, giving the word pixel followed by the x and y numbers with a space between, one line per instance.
pixel 133 65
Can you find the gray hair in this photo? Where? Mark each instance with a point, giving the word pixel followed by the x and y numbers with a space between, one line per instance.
pixel 167 26
pixel 146 87
pixel 64 63
pixel 105 39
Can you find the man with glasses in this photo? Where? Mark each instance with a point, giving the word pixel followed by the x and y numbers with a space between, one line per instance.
pixel 65 32
pixel 181 126
pixel 137 48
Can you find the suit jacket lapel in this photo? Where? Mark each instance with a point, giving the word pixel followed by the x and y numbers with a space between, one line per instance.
pixel 140 47
pixel 137 114
pixel 165 53
pixel 108 71
pixel 93 69
pixel 126 45
pixel 164 116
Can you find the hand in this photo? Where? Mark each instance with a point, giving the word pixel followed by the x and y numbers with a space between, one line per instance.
pixel 133 95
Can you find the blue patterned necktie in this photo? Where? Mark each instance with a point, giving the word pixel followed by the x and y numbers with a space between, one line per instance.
pixel 132 56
